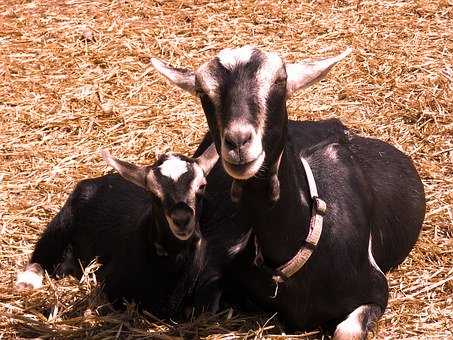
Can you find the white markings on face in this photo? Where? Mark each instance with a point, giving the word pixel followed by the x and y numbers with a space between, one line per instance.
pixel 371 257
pixel 352 327
pixel 271 68
pixel 229 58
pixel 265 78
pixel 190 197
pixel 208 82
pixel 173 167
pixel 197 182
pixel 31 278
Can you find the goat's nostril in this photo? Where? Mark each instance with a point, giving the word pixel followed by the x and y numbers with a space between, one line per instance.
pixel 229 142
pixel 181 221
pixel 181 216
pixel 237 139
pixel 247 138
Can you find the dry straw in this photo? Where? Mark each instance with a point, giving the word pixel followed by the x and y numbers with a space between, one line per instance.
pixel 75 77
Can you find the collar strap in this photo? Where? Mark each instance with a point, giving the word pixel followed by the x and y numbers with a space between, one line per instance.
pixel 318 209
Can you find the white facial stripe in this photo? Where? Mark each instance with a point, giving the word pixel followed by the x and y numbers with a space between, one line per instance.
pixel 208 82
pixel 173 167
pixel 371 258
pixel 198 180
pixel 229 58
pixel 265 77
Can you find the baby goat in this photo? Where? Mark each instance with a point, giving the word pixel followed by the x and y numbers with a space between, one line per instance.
pixel 143 230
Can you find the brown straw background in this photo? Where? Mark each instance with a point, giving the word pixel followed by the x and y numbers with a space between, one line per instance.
pixel 75 78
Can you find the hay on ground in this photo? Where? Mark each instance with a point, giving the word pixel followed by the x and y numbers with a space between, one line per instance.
pixel 75 77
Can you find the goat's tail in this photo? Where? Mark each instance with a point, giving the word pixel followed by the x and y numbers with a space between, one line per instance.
pixel 51 247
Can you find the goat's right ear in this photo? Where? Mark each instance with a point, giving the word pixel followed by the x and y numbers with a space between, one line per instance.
pixel 183 78
pixel 131 172
pixel 305 74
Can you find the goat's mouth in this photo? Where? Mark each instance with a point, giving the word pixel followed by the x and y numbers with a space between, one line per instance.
pixel 244 170
pixel 183 235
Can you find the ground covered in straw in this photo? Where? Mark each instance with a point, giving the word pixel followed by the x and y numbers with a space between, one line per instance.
pixel 75 77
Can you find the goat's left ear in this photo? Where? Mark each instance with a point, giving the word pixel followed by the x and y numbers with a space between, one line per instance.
pixel 208 159
pixel 183 78
pixel 131 172
pixel 305 74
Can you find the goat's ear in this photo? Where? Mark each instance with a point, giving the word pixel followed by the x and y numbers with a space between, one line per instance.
pixel 131 172
pixel 183 78
pixel 305 74
pixel 208 159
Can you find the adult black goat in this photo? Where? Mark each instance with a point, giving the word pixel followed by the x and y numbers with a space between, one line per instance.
pixel 326 272
pixel 142 227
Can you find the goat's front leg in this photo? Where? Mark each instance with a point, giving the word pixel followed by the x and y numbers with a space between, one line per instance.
pixel 31 278
pixel 207 296
pixel 358 323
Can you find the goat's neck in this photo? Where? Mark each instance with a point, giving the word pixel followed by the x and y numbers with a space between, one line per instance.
pixel 282 227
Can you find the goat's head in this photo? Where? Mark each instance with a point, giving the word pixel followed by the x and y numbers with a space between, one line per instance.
pixel 243 92
pixel 177 183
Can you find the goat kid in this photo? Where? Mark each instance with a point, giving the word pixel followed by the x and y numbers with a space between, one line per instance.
pixel 142 226
pixel 375 198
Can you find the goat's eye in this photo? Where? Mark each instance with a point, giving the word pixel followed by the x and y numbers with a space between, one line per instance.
pixel 202 187
pixel 199 92
pixel 280 81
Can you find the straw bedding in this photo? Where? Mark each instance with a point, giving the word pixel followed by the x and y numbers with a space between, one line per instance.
pixel 75 77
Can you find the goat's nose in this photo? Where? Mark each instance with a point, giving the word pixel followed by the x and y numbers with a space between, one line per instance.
pixel 237 139
pixel 181 216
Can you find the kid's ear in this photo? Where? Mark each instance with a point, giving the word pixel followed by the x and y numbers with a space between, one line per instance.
pixel 208 159
pixel 139 175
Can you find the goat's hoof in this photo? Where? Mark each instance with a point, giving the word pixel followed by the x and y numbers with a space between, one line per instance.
pixel 31 278
pixel 348 330
pixel 22 286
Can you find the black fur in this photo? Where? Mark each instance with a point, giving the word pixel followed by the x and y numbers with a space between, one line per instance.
pixel 124 227
pixel 369 186
pixel 118 223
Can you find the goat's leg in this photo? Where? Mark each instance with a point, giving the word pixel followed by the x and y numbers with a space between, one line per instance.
pixel 48 250
pixel 358 323
pixel 207 296
pixel 31 278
